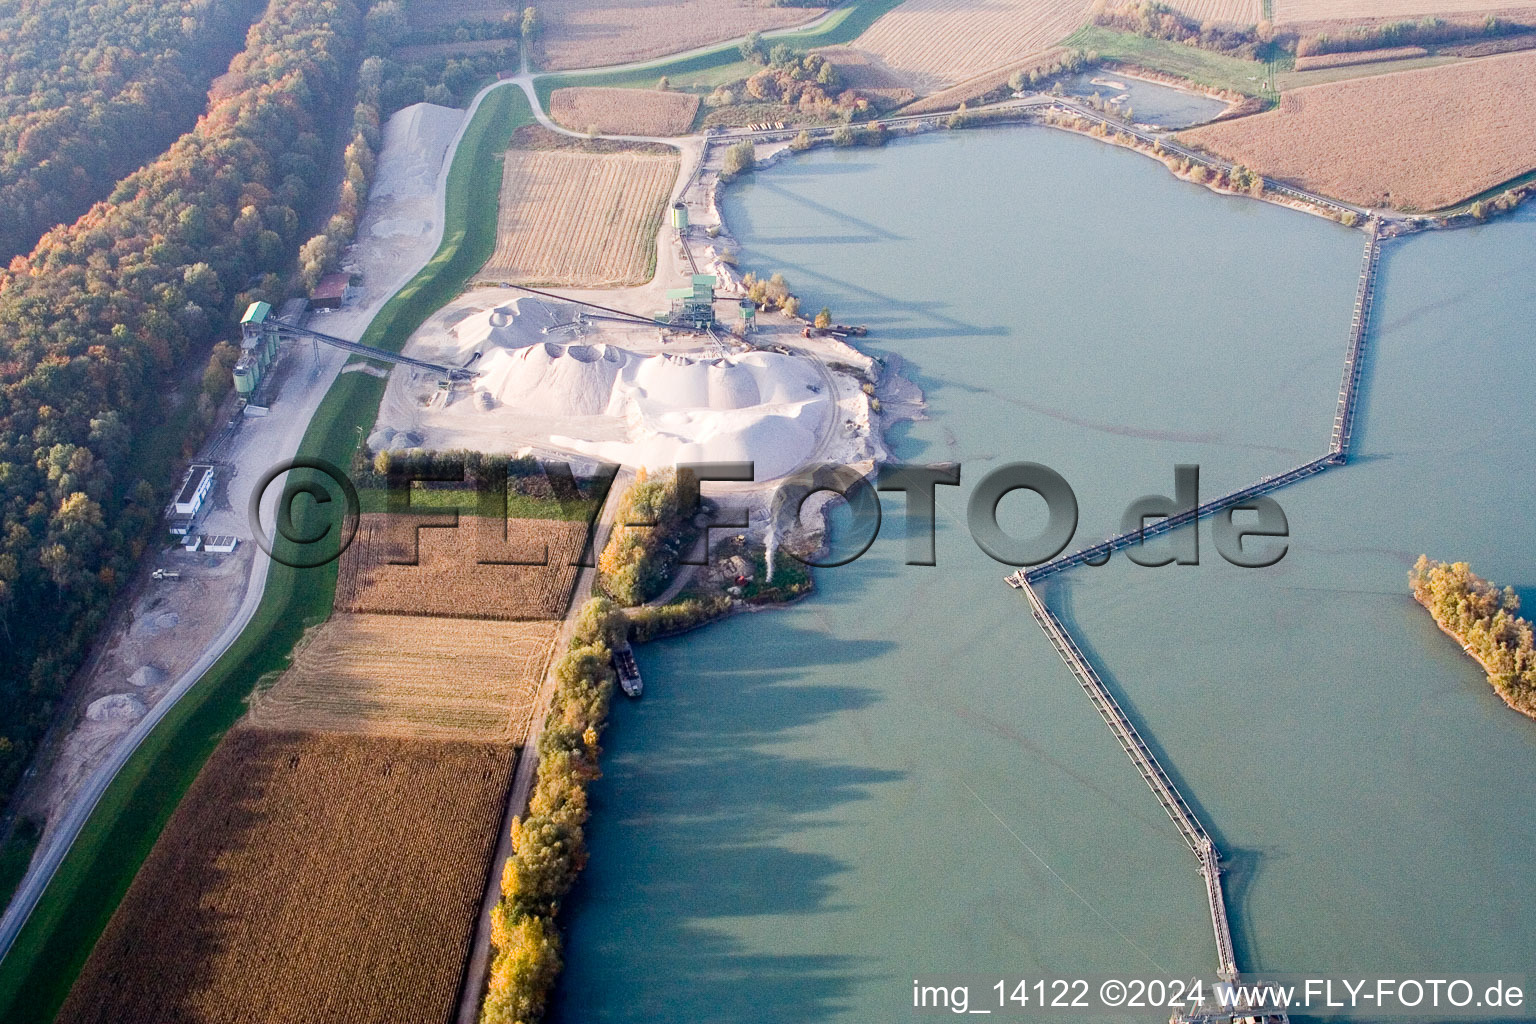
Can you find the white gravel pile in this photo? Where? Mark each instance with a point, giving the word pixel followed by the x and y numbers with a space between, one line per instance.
pixel 116 707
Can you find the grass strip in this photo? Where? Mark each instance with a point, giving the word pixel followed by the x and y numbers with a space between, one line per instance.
pixel 1203 67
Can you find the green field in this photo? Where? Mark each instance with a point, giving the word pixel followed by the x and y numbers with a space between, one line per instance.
pixel 720 64
pixel 1203 67
pixel 15 854
pixel 466 503
pixel 42 965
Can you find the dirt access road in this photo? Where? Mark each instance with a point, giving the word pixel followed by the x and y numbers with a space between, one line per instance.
pixel 397 246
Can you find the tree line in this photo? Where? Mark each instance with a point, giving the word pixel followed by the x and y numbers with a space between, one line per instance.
pixel 90 89
pixel 443 79
pixel 1424 32
pixel 1153 19
pixel 638 560
pixel 549 844
pixel 98 321
pixel 1487 622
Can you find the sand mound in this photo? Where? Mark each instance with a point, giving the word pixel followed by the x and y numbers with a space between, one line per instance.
pixel 116 707
pixel 490 328
pixel 416 138
pixel 147 675
pixel 762 406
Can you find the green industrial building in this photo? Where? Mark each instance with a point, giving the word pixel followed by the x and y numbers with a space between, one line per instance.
pixel 693 306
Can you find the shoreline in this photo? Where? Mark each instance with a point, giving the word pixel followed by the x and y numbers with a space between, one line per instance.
pixel 1481 663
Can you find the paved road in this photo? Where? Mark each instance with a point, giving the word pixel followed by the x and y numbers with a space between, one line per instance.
pixel 67 828
pixel 71 821
pixel 472 991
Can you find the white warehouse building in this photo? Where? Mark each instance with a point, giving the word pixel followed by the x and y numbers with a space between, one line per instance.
pixel 195 488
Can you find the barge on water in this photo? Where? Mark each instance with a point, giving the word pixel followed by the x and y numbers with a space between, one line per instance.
pixel 629 672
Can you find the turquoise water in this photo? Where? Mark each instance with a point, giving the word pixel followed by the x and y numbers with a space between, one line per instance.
pixel 813 806
pixel 1150 103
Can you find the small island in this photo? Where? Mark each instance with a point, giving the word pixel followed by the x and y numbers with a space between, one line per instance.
pixel 1487 624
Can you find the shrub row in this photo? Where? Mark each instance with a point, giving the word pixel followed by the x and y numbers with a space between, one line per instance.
pixel 1425 32
pixel 549 844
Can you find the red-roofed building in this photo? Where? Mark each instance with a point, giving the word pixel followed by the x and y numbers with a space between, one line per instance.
pixel 331 292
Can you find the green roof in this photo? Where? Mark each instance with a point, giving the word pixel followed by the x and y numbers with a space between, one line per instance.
pixel 256 313
pixel 679 293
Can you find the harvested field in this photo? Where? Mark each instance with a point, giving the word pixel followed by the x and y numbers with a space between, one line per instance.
pixel 1416 140
pixel 860 70
pixel 449 578
pixel 410 676
pixel 1290 12
pixel 1489 47
pixel 1341 60
pixel 942 42
pixel 1221 12
pixel 974 88
pixel 624 111
pixel 305 878
pixel 585 220
pixel 595 33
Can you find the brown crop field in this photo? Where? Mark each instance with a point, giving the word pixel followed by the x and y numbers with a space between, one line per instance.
pixel 1291 12
pixel 1489 47
pixel 624 111
pixel 594 33
pixel 449 577
pixel 974 88
pixel 1418 140
pixel 411 676
pixel 942 42
pixel 585 220
pixel 1341 60
pixel 1221 12
pixel 306 878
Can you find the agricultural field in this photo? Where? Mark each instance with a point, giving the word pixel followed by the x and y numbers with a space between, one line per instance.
pixel 305 877
pixel 1339 60
pixel 1489 47
pixel 1288 80
pixel 412 676
pixel 1221 12
pixel 597 33
pixel 460 572
pixel 1292 12
pixel 624 111
pixel 938 43
pixel 974 88
pixel 1419 140
pixel 580 219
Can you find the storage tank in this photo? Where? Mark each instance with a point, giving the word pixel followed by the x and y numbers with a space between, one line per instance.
pixel 748 310
pixel 247 375
pixel 680 216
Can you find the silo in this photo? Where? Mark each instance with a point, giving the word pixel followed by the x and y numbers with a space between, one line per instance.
pixel 247 376
pixel 748 310
pixel 680 217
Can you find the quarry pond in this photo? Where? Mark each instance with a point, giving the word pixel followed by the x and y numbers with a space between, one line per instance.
pixel 898 777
